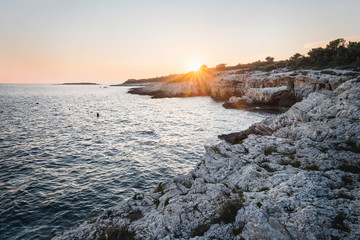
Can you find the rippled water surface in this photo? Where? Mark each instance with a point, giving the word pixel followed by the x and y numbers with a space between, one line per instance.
pixel 61 165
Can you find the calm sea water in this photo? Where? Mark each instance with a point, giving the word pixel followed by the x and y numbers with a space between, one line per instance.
pixel 61 165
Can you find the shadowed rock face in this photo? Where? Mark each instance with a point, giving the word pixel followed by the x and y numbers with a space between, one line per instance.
pixel 292 176
pixel 275 96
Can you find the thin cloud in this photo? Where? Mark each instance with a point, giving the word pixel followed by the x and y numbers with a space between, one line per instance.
pixel 324 43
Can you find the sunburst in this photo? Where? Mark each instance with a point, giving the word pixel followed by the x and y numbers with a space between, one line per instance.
pixel 195 66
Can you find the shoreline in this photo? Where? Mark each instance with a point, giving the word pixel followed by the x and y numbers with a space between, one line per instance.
pixel 294 175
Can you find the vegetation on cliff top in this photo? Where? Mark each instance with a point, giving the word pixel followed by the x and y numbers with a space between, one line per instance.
pixel 337 54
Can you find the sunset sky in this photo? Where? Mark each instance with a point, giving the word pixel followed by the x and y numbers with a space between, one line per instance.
pixel 109 41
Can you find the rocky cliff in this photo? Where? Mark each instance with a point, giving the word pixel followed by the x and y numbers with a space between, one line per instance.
pixel 251 88
pixel 293 176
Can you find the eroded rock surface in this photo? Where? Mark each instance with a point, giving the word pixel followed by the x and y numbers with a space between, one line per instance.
pixel 294 176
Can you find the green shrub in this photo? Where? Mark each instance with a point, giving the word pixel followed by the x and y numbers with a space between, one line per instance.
pixel 237 230
pixel 200 230
pixel 295 164
pixel 312 167
pixel 215 149
pixel 284 162
pixel 268 168
pixel 304 73
pixel 159 189
pixel 115 233
pixel 229 211
pixel 167 201
pixel 135 215
pixel 241 196
pixel 227 214
pixel 136 196
pixel 264 189
pixel 269 149
pixel 157 202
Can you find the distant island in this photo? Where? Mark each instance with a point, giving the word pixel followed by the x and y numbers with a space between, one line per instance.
pixel 80 83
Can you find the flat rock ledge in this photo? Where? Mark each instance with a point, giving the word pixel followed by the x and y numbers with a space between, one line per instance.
pixel 294 176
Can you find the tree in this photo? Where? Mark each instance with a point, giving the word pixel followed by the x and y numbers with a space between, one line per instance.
pixel 317 55
pixel 353 53
pixel 269 59
pixel 221 66
pixel 335 44
pixel 296 56
pixel 297 61
pixel 203 67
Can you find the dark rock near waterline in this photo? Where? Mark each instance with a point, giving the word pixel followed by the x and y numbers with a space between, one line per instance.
pixel 263 97
pixel 259 129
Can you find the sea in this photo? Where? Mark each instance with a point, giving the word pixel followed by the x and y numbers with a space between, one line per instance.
pixel 62 164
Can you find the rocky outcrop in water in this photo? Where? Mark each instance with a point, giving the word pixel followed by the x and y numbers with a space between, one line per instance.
pixel 294 176
pixel 169 90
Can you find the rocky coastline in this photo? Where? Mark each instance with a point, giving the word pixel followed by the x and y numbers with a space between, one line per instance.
pixel 293 176
pixel 276 90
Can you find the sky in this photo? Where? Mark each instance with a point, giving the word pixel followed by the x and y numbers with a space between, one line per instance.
pixel 110 41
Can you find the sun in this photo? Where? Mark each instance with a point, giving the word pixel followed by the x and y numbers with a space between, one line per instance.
pixel 195 66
